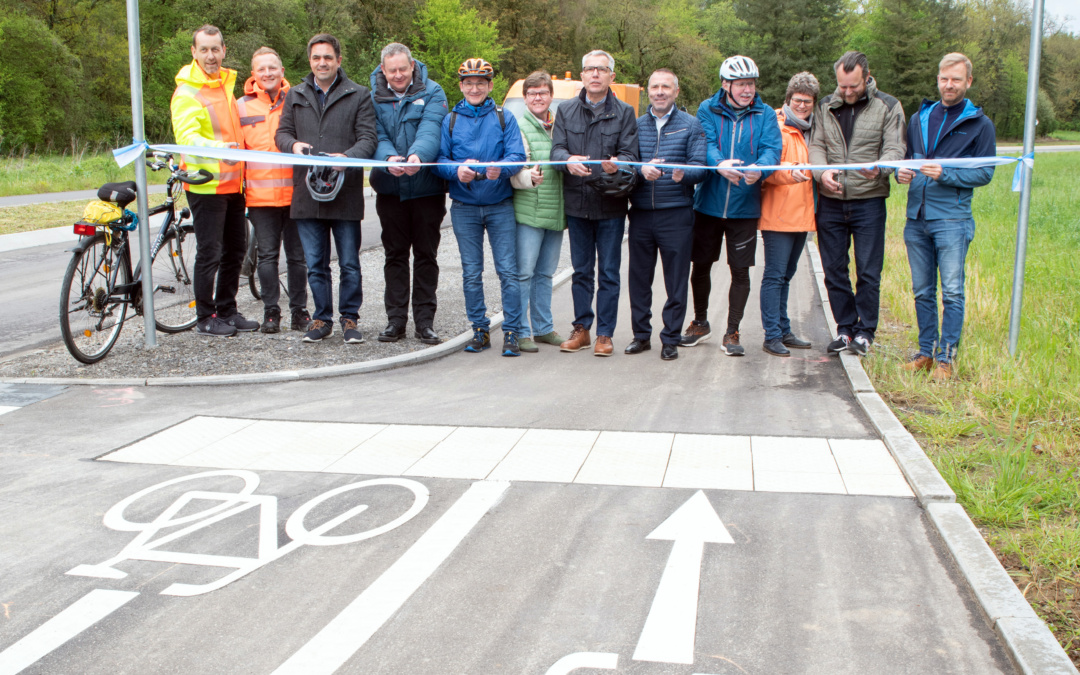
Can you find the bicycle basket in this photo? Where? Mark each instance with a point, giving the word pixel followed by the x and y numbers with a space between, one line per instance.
pixel 101 213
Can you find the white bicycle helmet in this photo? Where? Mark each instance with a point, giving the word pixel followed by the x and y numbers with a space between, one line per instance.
pixel 324 183
pixel 738 68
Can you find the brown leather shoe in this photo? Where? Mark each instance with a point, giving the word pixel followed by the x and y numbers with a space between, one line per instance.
pixel 919 362
pixel 579 339
pixel 603 346
pixel 942 372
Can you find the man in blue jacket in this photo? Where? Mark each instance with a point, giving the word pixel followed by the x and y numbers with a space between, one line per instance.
pixel 410 200
pixel 662 212
pixel 740 130
pixel 475 132
pixel 939 225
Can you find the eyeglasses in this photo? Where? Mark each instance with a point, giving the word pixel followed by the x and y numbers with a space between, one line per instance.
pixel 543 93
pixel 600 70
pixel 801 102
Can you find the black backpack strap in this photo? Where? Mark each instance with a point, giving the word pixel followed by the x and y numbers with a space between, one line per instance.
pixel 502 120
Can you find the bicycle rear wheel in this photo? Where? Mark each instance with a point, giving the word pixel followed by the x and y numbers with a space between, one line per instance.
pixel 90 319
pixel 251 263
pixel 174 292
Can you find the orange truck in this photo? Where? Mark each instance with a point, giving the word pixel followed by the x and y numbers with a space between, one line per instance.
pixel 566 89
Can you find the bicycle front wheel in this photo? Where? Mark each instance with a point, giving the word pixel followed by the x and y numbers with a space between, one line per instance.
pixel 251 263
pixel 90 317
pixel 174 292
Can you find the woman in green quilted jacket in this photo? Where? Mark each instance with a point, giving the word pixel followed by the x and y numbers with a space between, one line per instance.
pixel 538 205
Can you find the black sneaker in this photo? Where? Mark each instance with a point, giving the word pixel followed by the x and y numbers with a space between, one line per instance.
pixel 271 321
pixel 697 331
pixel 731 344
pixel 510 344
pixel 351 333
pixel 215 327
pixel 301 320
pixel 775 347
pixel 792 341
pixel 317 330
pixel 480 341
pixel 860 345
pixel 241 324
pixel 840 344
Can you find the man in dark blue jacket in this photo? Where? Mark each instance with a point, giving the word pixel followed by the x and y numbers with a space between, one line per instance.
pixel 740 131
pixel 939 225
pixel 475 132
pixel 662 212
pixel 410 200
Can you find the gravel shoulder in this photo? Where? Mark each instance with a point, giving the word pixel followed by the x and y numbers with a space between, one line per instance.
pixel 187 354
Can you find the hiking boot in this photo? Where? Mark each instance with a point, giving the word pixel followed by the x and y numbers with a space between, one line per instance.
pixel 510 344
pixel 428 336
pixel 603 346
pixel 860 345
pixel 840 344
pixel 241 324
pixel 942 372
pixel 579 339
pixel 271 321
pixel 351 333
pixel 918 362
pixel 791 341
pixel 697 331
pixel 317 330
pixel 301 320
pixel 551 338
pixel 480 341
pixel 215 327
pixel 775 347
pixel 392 333
pixel 526 344
pixel 731 345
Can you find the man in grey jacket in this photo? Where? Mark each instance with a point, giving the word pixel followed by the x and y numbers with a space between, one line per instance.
pixel 595 125
pixel 329 113
pixel 855 124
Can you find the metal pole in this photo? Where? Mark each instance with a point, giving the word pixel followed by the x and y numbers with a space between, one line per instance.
pixel 1025 192
pixel 139 134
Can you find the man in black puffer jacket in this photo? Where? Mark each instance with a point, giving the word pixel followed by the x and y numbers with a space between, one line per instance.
pixel 595 125
pixel 662 213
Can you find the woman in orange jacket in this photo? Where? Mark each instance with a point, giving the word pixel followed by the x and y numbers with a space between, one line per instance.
pixel 787 214
pixel 268 190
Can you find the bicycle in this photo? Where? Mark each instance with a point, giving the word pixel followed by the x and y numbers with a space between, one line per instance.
pixel 99 285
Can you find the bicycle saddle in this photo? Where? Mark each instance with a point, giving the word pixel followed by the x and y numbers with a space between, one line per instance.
pixel 120 193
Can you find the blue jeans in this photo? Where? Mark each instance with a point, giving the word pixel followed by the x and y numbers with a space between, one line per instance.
pixel 592 240
pixel 858 224
pixel 469 222
pixel 315 235
pixel 537 259
pixel 938 247
pixel 782 252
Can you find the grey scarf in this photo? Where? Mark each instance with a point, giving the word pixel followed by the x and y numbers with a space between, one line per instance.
pixel 794 120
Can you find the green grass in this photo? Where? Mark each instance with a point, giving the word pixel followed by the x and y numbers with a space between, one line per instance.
pixel 82 168
pixel 1005 433
pixel 57 214
pixel 1073 136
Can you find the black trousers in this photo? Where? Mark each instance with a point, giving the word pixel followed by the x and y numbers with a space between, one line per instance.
pixel 274 227
pixel 669 232
pixel 709 234
pixel 220 245
pixel 413 224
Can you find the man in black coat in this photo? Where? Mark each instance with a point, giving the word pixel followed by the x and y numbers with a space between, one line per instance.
pixel 595 125
pixel 329 113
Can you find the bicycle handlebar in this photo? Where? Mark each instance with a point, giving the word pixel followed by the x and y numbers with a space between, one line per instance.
pixel 203 176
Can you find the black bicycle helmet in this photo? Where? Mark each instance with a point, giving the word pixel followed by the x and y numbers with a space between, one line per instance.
pixel 618 184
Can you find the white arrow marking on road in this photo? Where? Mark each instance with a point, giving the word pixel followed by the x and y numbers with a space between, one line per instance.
pixel 348 631
pixel 668 635
pixel 80 615
pixel 572 662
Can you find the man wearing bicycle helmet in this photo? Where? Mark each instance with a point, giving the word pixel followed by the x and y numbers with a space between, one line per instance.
pixel 478 131
pixel 204 114
pixel 327 113
pixel 740 131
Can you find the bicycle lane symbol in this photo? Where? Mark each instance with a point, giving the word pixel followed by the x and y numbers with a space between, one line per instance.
pixel 149 545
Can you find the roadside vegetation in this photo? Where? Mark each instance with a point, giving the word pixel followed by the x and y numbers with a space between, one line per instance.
pixel 56 214
pixel 1005 433
pixel 80 167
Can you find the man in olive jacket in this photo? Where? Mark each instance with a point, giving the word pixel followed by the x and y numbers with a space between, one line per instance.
pixel 327 112
pixel 856 124
pixel 596 125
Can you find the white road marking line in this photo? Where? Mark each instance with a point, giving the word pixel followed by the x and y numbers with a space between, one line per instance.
pixel 571 662
pixel 83 613
pixel 346 633
pixel 670 629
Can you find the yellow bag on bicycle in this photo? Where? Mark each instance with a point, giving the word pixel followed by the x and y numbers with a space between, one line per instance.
pixel 98 212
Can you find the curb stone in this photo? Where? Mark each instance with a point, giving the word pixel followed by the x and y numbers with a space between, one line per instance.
pixel 1032 647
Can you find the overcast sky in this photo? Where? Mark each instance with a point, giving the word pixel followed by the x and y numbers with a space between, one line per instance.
pixel 1063 8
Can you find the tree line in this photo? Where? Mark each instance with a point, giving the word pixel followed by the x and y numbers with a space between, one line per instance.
pixel 64 65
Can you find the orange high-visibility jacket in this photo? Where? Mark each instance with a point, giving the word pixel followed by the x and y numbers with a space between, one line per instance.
pixel 204 114
pixel 787 206
pixel 265 184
